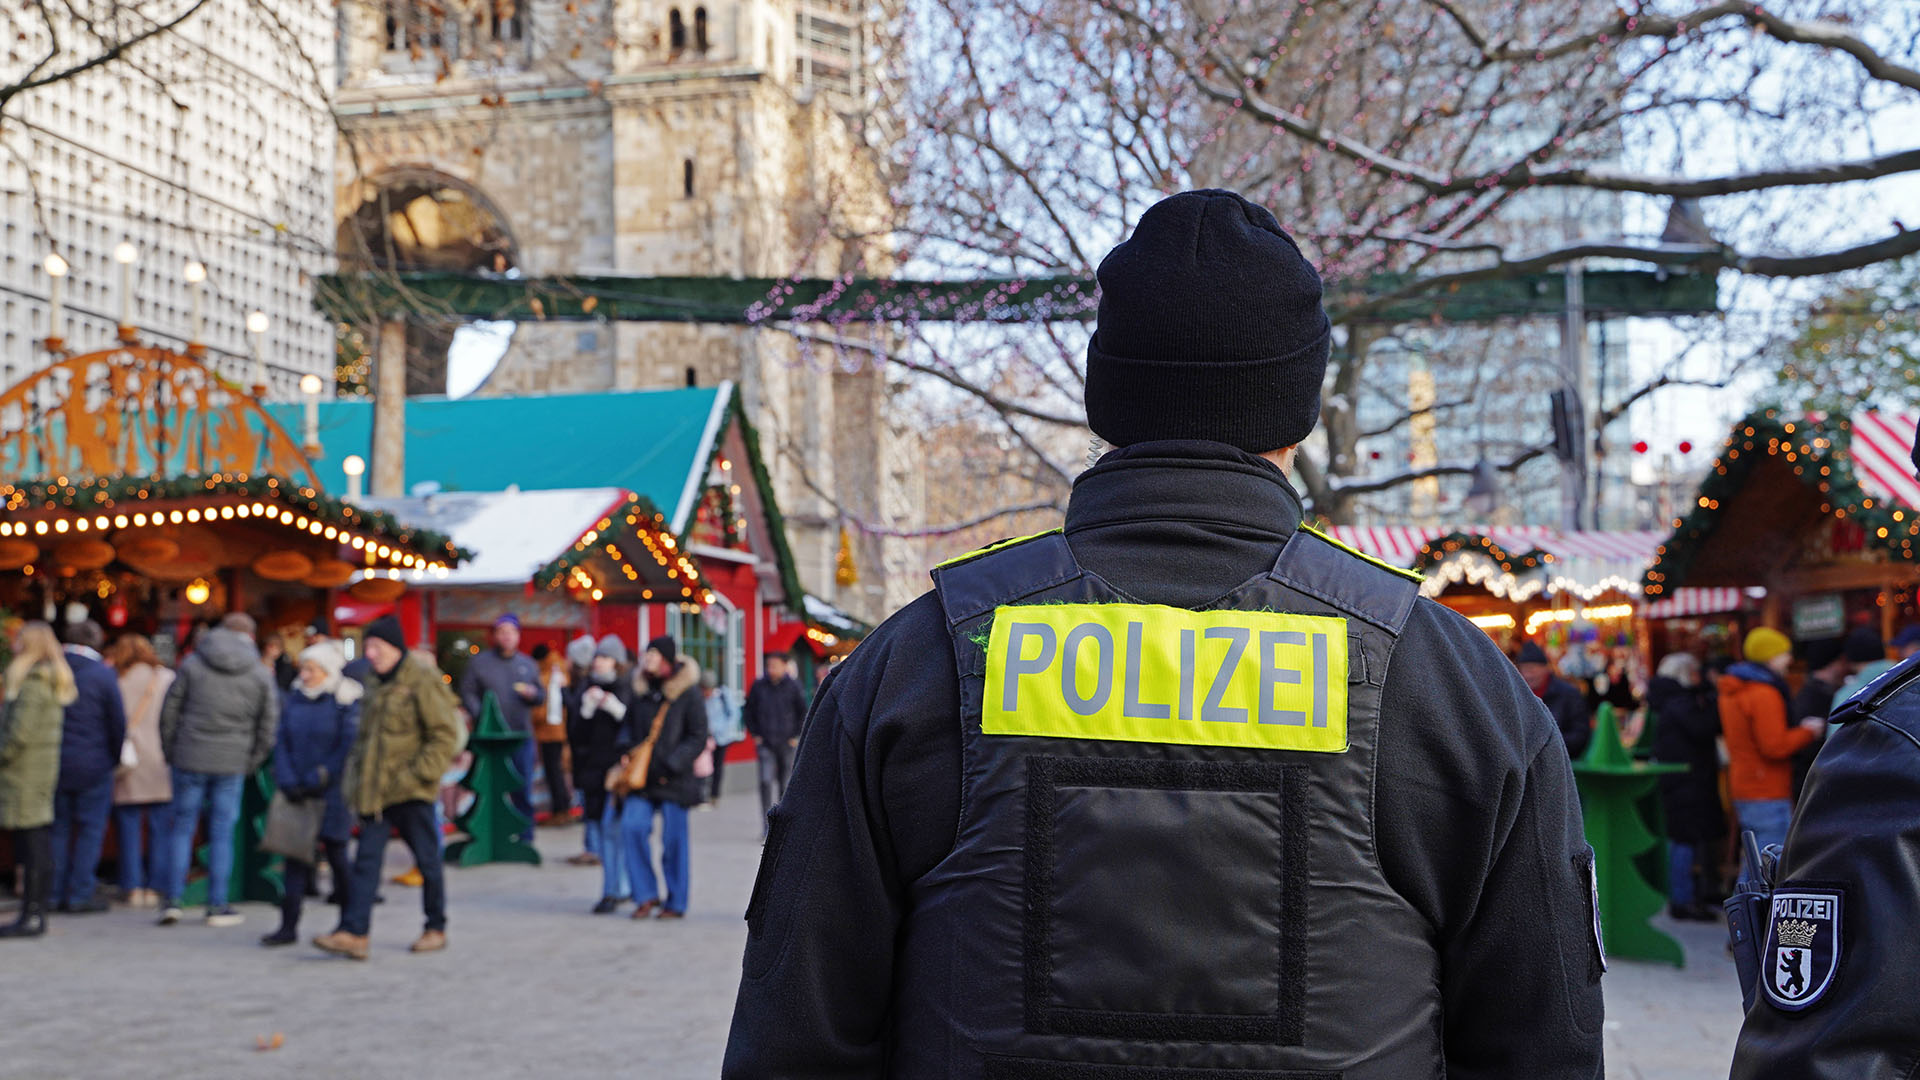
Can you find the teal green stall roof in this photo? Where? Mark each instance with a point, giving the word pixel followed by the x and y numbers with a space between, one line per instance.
pixel 651 442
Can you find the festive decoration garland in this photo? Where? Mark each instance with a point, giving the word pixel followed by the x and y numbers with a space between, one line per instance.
pixel 640 522
pixel 128 493
pixel 1820 452
pixel 1436 551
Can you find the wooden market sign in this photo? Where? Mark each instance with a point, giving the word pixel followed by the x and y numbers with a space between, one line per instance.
pixel 140 410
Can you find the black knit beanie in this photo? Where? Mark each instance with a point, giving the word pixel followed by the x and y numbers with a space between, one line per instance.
pixel 387 629
pixel 666 648
pixel 1210 327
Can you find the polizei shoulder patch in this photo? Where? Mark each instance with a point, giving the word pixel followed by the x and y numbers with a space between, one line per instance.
pixel 1147 673
pixel 1802 956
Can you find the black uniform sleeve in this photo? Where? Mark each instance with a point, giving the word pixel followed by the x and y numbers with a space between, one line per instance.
pixel 873 804
pixel 1479 828
pixel 1856 830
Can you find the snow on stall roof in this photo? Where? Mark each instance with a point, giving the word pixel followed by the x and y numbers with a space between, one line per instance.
pixel 511 533
pixel 826 614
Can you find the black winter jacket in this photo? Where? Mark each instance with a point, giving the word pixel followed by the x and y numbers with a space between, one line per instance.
pixel 1686 723
pixel 775 711
pixel 594 734
pixel 1477 823
pixel 683 733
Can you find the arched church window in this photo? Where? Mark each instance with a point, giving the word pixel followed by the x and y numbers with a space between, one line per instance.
pixel 686 177
pixel 700 30
pixel 676 33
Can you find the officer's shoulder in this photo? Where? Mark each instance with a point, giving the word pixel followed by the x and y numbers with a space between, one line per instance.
pixel 910 637
pixel 1349 579
pixel 1892 699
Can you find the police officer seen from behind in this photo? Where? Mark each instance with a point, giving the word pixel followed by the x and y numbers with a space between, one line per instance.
pixel 1839 939
pixel 1185 789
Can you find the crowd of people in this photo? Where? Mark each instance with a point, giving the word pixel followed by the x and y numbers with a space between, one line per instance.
pixel 1744 733
pixel 358 748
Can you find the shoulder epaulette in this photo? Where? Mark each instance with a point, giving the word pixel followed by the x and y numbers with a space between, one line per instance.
pixel 1411 575
pixel 997 545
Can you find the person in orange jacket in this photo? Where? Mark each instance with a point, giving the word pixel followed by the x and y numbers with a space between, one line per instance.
pixel 1760 742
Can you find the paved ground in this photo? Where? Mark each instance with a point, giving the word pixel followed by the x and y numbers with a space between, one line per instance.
pixel 534 985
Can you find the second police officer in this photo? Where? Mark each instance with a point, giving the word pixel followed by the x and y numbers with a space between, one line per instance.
pixel 1184 789
pixel 1836 944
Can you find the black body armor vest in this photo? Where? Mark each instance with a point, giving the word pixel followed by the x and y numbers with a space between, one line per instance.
pixel 1155 910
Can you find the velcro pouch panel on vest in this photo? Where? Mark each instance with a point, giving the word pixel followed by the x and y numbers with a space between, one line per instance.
pixel 1146 790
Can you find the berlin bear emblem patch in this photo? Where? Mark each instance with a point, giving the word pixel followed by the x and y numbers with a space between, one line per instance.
pixel 1802 955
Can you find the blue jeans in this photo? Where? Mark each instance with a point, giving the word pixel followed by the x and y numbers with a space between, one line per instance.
pixel 606 835
pixel 1679 873
pixel 79 821
pixel 416 822
pixel 221 796
pixel 142 864
pixel 1767 818
pixel 524 756
pixel 636 834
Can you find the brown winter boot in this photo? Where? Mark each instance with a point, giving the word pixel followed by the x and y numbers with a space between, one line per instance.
pixel 430 941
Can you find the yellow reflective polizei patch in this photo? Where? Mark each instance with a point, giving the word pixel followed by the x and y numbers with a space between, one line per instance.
pixel 1146 673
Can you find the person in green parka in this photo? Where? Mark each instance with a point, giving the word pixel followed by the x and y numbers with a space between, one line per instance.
pixel 39 685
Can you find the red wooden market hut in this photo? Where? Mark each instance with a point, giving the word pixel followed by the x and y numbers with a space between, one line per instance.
pixel 1813 516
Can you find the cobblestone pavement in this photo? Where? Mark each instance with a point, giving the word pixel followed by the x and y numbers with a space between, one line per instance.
pixel 533 985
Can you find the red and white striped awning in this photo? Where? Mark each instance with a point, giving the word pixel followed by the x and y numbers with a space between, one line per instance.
pixel 1690 602
pixel 1882 456
pixel 1400 545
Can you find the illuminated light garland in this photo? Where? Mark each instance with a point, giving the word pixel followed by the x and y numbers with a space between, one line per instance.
pixel 1494 622
pixel 1602 613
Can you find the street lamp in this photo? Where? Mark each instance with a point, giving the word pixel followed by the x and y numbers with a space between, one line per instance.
pixel 196 274
pixel 126 255
pixel 355 467
pixel 257 326
pixel 310 386
pixel 56 268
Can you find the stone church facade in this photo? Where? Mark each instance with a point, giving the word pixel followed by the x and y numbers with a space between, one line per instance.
pixel 644 138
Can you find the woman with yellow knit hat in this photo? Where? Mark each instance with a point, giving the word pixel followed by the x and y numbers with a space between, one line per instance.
pixel 1760 742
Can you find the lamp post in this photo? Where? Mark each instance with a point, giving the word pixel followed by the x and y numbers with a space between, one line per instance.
pixel 126 255
pixel 56 268
pixel 310 388
pixel 257 326
pixel 355 467
pixel 196 274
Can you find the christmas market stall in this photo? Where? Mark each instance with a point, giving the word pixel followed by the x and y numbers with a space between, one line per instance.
pixel 150 492
pixel 1813 516
pixel 677 533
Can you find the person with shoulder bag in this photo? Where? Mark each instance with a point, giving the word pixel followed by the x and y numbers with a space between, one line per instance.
pixel 143 785
pixel 666 732
pixel 319 718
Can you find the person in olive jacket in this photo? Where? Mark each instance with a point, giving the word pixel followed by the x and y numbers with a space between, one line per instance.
pixel 410 731
pixel 666 701
pixel 39 686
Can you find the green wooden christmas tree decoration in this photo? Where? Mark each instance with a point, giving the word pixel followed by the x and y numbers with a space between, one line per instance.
pixel 1611 784
pixel 255 875
pixel 494 827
